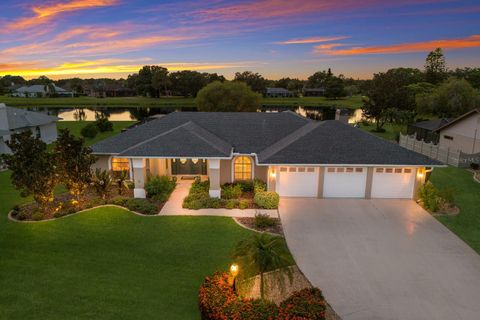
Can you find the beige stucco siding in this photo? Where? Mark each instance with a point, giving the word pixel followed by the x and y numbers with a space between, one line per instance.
pixel 226 170
pixel 261 172
pixel 465 134
pixel 102 163
pixel 158 167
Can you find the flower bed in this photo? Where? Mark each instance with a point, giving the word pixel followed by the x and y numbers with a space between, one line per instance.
pixel 262 223
pixel 218 300
pixel 239 195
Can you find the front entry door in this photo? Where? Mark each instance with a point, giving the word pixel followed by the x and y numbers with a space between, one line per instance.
pixel 189 166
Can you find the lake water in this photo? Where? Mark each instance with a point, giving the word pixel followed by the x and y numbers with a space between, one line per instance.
pixel 141 113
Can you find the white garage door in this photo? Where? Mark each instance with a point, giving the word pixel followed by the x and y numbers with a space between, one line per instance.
pixel 344 182
pixel 393 183
pixel 297 182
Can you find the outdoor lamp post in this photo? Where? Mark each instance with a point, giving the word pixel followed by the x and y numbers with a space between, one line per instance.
pixel 233 273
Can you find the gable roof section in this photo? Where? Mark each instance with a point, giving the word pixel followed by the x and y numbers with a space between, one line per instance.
pixel 186 140
pixel 245 132
pixel 38 88
pixel 332 142
pixel 431 125
pixel 460 118
pixel 21 118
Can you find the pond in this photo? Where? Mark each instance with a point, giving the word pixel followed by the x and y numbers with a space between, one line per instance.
pixel 87 113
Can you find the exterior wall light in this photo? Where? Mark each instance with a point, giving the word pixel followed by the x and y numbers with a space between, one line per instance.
pixel 273 174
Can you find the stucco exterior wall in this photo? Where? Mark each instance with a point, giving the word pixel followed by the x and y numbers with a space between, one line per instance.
pixel 3 146
pixel 158 167
pixel 465 134
pixel 102 163
pixel 226 170
pixel 48 132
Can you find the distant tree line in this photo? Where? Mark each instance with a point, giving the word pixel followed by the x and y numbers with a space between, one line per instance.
pixel 400 94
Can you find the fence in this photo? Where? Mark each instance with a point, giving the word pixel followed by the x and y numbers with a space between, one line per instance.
pixel 455 158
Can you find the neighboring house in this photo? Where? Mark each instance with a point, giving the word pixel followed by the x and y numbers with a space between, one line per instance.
pixel 278 93
pixel 14 120
pixel 425 130
pixel 313 92
pixel 461 134
pixel 40 90
pixel 297 157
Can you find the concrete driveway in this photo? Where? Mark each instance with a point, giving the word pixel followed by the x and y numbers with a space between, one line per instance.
pixel 382 259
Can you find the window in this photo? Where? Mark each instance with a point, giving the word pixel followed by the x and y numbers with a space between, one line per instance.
pixel 388 170
pixel 448 137
pixel 398 170
pixel 38 133
pixel 283 169
pixel 349 170
pixel 331 170
pixel 120 164
pixel 407 170
pixel 340 169
pixel 379 170
pixel 292 169
pixel 301 169
pixel 310 169
pixel 242 168
pixel 358 169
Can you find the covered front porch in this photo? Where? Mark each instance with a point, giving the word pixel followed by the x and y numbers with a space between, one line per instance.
pixel 141 168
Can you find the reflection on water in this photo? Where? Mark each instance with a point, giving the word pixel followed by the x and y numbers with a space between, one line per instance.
pixel 141 113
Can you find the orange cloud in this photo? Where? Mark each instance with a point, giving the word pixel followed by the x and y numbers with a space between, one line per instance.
pixel 45 13
pixel 311 40
pixel 468 42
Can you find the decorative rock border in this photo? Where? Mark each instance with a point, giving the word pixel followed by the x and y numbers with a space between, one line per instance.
pixel 10 216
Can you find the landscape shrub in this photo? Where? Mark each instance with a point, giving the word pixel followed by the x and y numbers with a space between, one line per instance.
pixel 474 166
pixel 231 191
pixel 305 304
pixel 243 204
pixel 103 124
pixel 266 199
pixel 231 204
pixel 142 206
pixel 89 131
pixel 120 201
pixel 263 221
pixel 259 186
pixel 247 185
pixel 37 215
pixel 434 199
pixel 159 187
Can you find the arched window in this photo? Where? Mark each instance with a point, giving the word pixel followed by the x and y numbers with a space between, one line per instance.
pixel 242 168
pixel 120 164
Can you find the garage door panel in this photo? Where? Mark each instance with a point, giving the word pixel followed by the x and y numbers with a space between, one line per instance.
pixel 344 182
pixel 298 182
pixel 395 183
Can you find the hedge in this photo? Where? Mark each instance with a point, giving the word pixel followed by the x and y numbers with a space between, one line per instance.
pixel 267 199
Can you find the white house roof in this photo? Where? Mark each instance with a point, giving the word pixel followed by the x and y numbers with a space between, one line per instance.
pixel 38 88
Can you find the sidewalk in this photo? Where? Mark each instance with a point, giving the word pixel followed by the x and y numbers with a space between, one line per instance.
pixel 173 207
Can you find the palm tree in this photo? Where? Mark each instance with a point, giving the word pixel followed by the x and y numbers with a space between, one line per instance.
pixel 122 181
pixel 263 253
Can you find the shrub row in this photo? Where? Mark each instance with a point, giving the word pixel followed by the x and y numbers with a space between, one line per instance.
pixel 217 300
pixel 434 199
pixel 138 205
pixel 159 188
pixel 267 199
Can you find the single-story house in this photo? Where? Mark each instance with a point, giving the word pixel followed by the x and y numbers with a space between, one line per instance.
pixel 462 133
pixel 14 120
pixel 278 92
pixel 313 92
pixel 297 157
pixel 425 130
pixel 40 90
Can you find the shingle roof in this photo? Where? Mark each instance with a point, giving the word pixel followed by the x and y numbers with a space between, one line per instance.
pixel 246 132
pixel 431 124
pixel 38 88
pixel 186 140
pixel 453 121
pixel 21 118
pixel 332 142
pixel 4 133
pixel 276 138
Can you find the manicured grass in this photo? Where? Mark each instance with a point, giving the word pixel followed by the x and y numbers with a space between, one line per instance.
pixel 391 130
pixel 108 263
pixel 76 126
pixel 350 102
pixel 466 225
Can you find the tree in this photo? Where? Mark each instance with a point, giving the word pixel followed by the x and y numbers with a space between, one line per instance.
pixel 262 253
pixel 317 80
pixel 187 83
pixel 472 75
pixel 160 80
pixel 228 96
pixel 73 160
pixel 435 66
pixel 32 166
pixel 390 90
pixel 254 80
pixel 334 88
pixel 451 99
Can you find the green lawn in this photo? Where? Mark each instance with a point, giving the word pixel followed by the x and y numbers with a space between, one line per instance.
pixel 466 225
pixel 391 130
pixel 108 263
pixel 76 126
pixel 350 102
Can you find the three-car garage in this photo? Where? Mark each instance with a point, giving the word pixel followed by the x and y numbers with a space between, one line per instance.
pixel 346 182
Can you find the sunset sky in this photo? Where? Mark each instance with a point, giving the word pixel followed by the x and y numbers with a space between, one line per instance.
pixel 112 38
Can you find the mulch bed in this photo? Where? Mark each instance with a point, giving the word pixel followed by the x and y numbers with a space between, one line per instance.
pixel 250 223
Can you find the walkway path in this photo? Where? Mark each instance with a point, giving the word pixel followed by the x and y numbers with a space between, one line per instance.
pixel 173 207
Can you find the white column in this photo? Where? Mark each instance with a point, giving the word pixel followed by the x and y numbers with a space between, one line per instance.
pixel 214 176
pixel 139 178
